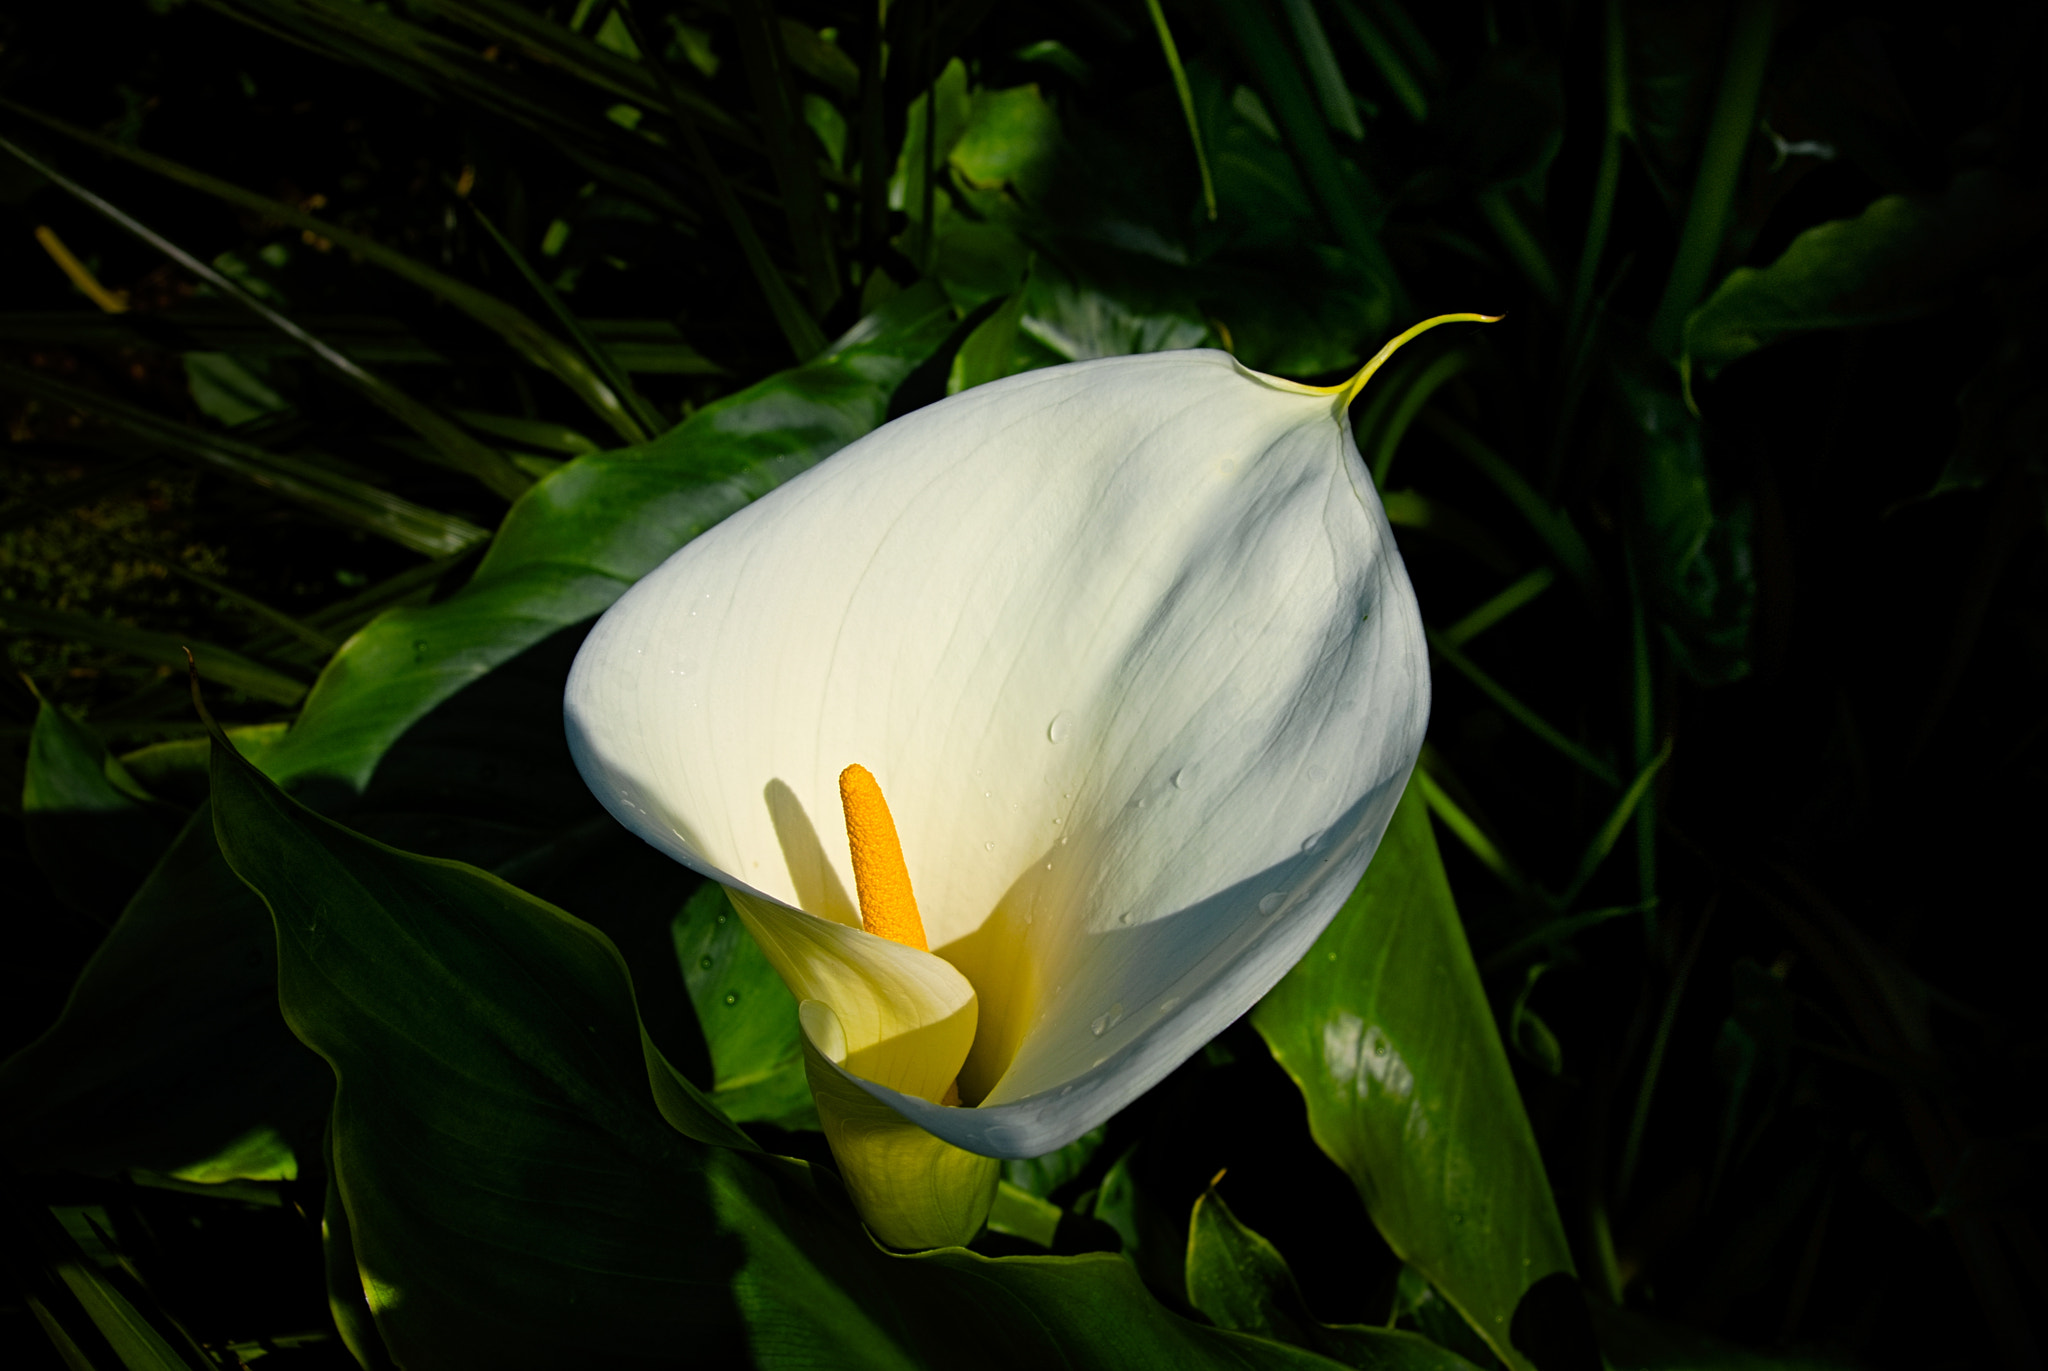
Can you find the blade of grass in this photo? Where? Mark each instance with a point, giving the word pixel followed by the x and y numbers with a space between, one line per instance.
pixel 1521 713
pixel 1731 127
pixel 1632 1149
pixel 1644 731
pixel 562 48
pixel 376 40
pixel 1554 933
pixel 789 145
pixel 625 409
pixel 1608 179
pixel 352 502
pixel 805 338
pixel 216 664
pixel 1610 832
pixel 1393 68
pixel 1504 215
pixel 1187 103
pixel 874 153
pixel 1407 404
pixel 1412 509
pixel 1551 524
pixel 487 465
pixel 1338 106
pixel 1280 82
pixel 1470 833
pixel 525 336
pixel 1500 606
pixel 265 613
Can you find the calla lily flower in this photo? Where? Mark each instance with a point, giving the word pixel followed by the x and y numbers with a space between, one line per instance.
pixel 1128 649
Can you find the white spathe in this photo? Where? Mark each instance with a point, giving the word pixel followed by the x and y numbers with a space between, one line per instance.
pixel 1131 652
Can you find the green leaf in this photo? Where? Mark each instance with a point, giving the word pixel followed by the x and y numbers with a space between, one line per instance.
pixel 1240 1281
pixel 527 1183
pixel 1693 558
pixel 988 352
pixel 169 1054
pixel 1902 257
pixel 747 1014
pixel 575 542
pixel 1041 1176
pixel 1386 1029
pixel 228 390
pixel 91 827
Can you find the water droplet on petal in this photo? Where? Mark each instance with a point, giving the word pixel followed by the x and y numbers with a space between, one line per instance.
pixel 1100 1025
pixel 990 846
pixel 732 997
pixel 1058 729
pixel 1308 844
pixel 1180 779
pixel 705 961
pixel 1271 903
pixel 1317 773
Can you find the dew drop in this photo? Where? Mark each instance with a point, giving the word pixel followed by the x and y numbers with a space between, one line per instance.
pixel 1124 918
pixel 732 997
pixel 1057 730
pixel 1270 903
pixel 1048 867
pixel 990 846
pixel 1063 842
pixel 1057 821
pixel 1308 844
pixel 721 918
pixel 1180 779
pixel 1316 773
pixel 1166 1005
pixel 1100 1025
pixel 1066 1090
pixel 705 961
pixel 1141 804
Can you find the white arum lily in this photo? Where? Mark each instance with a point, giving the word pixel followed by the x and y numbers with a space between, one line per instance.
pixel 1129 649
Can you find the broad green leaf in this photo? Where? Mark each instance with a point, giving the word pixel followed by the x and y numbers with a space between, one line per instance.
pixel 576 541
pixel 1240 1281
pixel 172 1047
pixel 747 1014
pixel 170 1054
pixel 1386 1029
pixel 525 1181
pixel 90 826
pixel 175 770
pixel 987 353
pixel 1903 256
pixel 1694 561
pixel 1041 1176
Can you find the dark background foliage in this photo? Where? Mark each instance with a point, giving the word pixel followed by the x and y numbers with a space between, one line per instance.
pixel 1772 1017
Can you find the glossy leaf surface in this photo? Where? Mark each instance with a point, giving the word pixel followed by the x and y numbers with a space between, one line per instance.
pixel 1240 1280
pixel 1386 1029
pixel 527 1184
